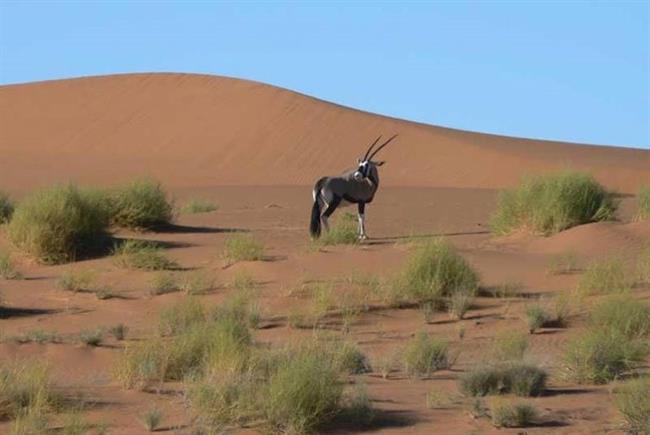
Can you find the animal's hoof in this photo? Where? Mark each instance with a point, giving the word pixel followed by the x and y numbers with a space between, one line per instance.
pixel 363 237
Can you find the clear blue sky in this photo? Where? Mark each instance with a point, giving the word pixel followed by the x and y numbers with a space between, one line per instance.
pixel 574 71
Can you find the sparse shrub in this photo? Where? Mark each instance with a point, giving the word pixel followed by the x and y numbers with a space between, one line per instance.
pixel 7 268
pixel 142 255
pixel 425 355
pixel 506 414
pixel 342 232
pixel 603 277
pixel 622 314
pixel 517 378
pixel 563 263
pixel 164 282
pixel 633 401
pixel 142 363
pixel 644 203
pixel 599 356
pixel 196 205
pixel 302 393
pixel 24 387
pixel 352 360
pixel 152 419
pixel 536 317
pixel 196 283
pixel 119 331
pixel 551 203
pixel 436 270
pixel 459 304
pixel 508 346
pixel 38 336
pixel 59 224
pixel 91 337
pixel 6 208
pixel 75 280
pixel 243 247
pixel 140 205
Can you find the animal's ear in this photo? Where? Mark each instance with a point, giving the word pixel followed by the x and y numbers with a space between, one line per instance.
pixel 380 163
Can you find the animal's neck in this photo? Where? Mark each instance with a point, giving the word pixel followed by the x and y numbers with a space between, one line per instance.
pixel 374 178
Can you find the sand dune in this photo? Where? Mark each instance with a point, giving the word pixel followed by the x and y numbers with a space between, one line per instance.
pixel 197 130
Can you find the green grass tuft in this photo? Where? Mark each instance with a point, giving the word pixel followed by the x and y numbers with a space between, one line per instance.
pixel 605 277
pixel 622 314
pixel 140 205
pixel 163 283
pixel 195 205
pixel 514 377
pixel 92 337
pixel 142 255
pixel 59 224
pixel 644 203
pixel 24 386
pixel 424 355
pixel 508 346
pixel 536 317
pixel 6 208
pixel 7 268
pixel 152 419
pixel 243 247
pixel 343 231
pixel 551 203
pixel 633 401
pixel 506 414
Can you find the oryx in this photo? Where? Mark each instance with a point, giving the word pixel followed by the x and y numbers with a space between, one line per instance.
pixel 357 186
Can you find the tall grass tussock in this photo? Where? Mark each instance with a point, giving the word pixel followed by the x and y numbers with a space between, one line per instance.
pixel 24 386
pixel 7 268
pixel 633 402
pixel 605 277
pixel 194 206
pixel 343 231
pixel 643 202
pixel 6 208
pixel 142 255
pixel 514 377
pixel 551 203
pixel 424 355
pixel 243 247
pixel 59 224
pixel 140 205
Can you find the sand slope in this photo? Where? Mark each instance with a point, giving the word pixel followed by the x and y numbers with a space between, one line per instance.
pixel 197 130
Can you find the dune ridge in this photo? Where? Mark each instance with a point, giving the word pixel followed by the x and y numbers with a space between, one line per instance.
pixel 200 130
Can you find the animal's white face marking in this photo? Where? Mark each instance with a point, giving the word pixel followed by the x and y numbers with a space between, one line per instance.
pixel 362 170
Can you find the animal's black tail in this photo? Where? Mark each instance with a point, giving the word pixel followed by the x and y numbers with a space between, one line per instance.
pixel 314 224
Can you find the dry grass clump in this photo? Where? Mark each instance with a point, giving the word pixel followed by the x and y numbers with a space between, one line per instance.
pixel 119 331
pixel 163 283
pixel 507 414
pixel 196 283
pixel 25 388
pixel 7 268
pixel 644 203
pixel 39 336
pixel 351 360
pixel 551 203
pixel 76 280
pixel 142 255
pixel 622 314
pixel 563 263
pixel 195 205
pixel 508 345
pixel 435 271
pixel 604 277
pixel 343 231
pixel 140 205
pixel 502 378
pixel 643 267
pixel 424 355
pixel 633 401
pixel 152 419
pixel 6 208
pixel 59 224
pixel 243 247
pixel 92 337
pixel 536 317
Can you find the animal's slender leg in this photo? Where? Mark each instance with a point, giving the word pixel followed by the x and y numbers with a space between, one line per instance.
pixel 329 210
pixel 362 223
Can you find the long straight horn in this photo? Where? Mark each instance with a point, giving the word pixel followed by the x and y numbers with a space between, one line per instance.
pixel 370 149
pixel 380 147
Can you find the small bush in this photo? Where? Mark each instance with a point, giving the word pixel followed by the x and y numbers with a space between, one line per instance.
pixel 75 280
pixel 91 337
pixel 564 263
pixel 7 268
pixel 243 247
pixel 194 206
pixel 163 283
pixel 604 277
pixel 302 393
pixel 181 316
pixel 513 415
pixel 140 205
pixel 24 386
pixel 600 356
pixel 58 224
pixel 6 208
pixel 436 270
pixel 644 203
pixel 152 419
pixel 352 360
pixel 425 355
pixel 517 378
pixel 622 314
pixel 119 331
pixel 508 346
pixel 142 255
pixel 536 317
pixel 548 204
pixel 459 304
pixel 633 401
pixel 342 232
